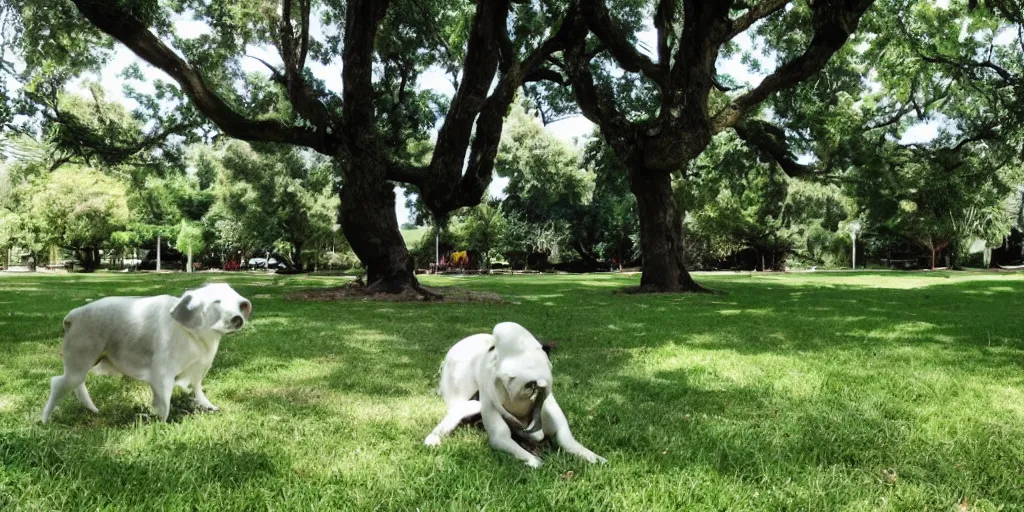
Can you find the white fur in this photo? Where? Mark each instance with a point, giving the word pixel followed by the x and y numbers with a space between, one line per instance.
pixel 511 379
pixel 163 340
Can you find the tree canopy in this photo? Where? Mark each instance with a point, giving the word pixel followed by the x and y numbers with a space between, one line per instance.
pixel 726 133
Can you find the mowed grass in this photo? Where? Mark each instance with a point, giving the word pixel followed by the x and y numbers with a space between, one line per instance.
pixel 816 392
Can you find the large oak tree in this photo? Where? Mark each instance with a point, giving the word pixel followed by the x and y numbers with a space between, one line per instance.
pixel 659 114
pixel 383 47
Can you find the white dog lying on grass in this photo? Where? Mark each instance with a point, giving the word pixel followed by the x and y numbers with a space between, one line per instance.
pixel 511 374
pixel 164 341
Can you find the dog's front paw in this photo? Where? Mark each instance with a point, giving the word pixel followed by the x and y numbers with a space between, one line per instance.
pixel 432 440
pixel 534 462
pixel 208 407
pixel 596 459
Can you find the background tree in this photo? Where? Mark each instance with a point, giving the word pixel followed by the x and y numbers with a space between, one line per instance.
pixel 940 198
pixel 189 241
pixel 79 209
pixel 547 184
pixel 607 228
pixel 481 230
pixel 280 193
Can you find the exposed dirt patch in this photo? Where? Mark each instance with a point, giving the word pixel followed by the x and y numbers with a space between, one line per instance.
pixel 358 291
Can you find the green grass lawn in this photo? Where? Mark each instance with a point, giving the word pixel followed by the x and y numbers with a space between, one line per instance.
pixel 821 391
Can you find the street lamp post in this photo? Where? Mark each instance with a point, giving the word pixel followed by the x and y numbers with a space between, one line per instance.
pixel 854 229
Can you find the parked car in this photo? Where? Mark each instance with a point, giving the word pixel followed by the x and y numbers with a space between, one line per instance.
pixel 270 264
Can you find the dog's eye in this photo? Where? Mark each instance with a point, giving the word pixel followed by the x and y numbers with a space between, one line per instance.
pixel 216 302
pixel 531 385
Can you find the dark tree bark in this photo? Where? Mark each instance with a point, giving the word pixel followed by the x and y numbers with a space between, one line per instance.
pixel 90 259
pixel 297 257
pixel 661 234
pixel 369 222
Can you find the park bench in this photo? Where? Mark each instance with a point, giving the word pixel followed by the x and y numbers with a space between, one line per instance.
pixel 894 263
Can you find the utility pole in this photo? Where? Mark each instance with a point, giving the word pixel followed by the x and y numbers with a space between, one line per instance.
pixel 854 228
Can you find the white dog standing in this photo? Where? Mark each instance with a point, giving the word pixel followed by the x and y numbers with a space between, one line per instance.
pixel 163 340
pixel 511 373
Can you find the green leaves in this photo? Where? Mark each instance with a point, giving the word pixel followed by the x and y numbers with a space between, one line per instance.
pixel 77 207
pixel 189 239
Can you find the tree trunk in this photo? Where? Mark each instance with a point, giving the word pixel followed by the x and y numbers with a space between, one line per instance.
pixel 953 251
pixel 297 257
pixel 589 259
pixel 370 224
pixel 661 234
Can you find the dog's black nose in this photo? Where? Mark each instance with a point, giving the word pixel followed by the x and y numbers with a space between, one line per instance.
pixel 237 321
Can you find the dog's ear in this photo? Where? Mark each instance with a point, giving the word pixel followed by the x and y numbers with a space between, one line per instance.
pixel 186 311
pixel 246 308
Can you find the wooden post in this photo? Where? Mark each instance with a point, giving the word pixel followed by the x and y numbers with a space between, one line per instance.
pixel 158 252
pixel 189 263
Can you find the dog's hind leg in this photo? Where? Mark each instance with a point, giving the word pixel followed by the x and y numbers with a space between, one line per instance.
pixel 83 396
pixel 62 385
pixel 457 412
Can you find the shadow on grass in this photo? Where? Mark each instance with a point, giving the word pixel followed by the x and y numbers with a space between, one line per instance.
pixel 106 476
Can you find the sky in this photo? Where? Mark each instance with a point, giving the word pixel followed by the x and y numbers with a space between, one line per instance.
pixel 573 130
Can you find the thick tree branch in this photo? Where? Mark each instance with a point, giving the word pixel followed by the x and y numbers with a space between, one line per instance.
pixel 445 170
pixel 275 74
pixel 693 68
pixel 74 136
pixel 546 74
pixel 758 12
pixel 984 134
pixel 834 22
pixel 602 25
pixel 293 53
pixel 1003 73
pixel 664 19
pixel 596 104
pixel 304 38
pixel 719 85
pixel 770 141
pixel 480 65
pixel 362 19
pixel 409 174
pixel 148 47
